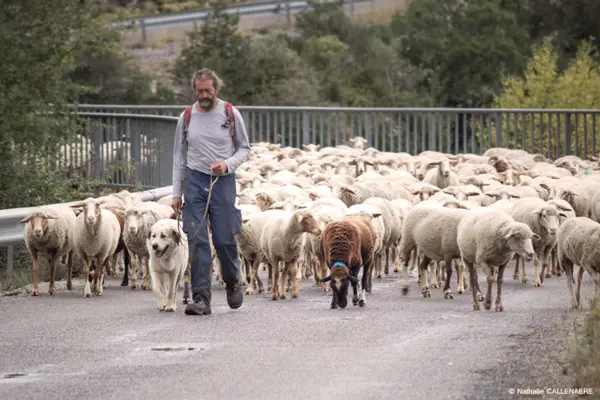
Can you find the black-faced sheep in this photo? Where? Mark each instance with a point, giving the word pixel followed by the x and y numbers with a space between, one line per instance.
pixel 348 244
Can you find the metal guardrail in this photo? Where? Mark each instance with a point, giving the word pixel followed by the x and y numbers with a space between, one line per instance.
pixel 270 7
pixel 551 132
pixel 143 137
pixel 12 231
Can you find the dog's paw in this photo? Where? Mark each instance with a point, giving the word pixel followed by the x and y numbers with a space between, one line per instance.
pixel 169 309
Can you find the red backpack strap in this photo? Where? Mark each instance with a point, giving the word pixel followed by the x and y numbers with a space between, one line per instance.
pixel 229 114
pixel 187 116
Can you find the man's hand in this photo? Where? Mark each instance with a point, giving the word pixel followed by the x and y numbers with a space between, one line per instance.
pixel 176 204
pixel 219 168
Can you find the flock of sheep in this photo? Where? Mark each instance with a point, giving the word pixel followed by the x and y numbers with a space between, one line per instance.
pixel 330 212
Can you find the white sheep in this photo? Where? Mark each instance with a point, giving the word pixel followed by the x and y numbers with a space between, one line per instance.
pixel 47 233
pixel 138 221
pixel 95 236
pixel 431 230
pixel 281 241
pixel 489 239
pixel 441 175
pixel 578 240
pixel 543 219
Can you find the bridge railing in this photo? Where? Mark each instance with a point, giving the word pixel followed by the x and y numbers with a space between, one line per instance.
pixel 551 132
pixel 124 144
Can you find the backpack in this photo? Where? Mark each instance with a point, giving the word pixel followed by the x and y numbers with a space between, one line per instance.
pixel 187 116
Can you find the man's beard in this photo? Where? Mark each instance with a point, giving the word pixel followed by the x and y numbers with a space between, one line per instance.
pixel 206 103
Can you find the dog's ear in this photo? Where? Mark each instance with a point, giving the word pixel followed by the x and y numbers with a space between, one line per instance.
pixel 176 237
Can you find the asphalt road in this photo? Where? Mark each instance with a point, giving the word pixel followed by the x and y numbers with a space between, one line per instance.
pixel 394 348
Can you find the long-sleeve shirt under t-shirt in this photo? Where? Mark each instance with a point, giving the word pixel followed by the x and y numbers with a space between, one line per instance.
pixel 208 141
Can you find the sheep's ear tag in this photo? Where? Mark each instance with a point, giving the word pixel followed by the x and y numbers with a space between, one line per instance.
pixel 586 172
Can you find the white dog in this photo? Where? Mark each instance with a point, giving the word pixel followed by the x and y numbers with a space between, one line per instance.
pixel 168 249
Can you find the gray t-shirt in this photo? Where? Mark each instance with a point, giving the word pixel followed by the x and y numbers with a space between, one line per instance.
pixel 208 141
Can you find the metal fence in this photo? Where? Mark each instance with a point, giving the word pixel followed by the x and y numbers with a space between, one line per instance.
pixel 11 230
pixel 550 132
pixel 123 144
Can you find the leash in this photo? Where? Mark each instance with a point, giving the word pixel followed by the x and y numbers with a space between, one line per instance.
pixel 186 275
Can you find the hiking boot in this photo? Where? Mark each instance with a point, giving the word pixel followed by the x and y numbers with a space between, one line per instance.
pixel 200 306
pixel 235 298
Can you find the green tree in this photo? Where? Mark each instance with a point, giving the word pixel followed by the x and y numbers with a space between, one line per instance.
pixel 41 44
pixel 218 45
pixel 463 48
pixel 328 57
pixel 543 86
pixel 323 19
pixel 279 76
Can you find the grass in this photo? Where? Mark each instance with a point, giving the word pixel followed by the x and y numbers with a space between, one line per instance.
pixel 586 362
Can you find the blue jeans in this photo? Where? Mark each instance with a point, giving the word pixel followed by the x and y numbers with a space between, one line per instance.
pixel 225 222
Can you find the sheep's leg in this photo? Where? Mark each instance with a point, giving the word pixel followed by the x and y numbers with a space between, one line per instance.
pixel 377 271
pixel 253 277
pixel 86 277
pixel 299 275
pixel 355 297
pixel 364 284
pixel 536 266
pixel 579 279
pixel 438 274
pixel 499 281
pixel 52 264
pixel 294 273
pixel 70 270
pixel 133 270
pixel 369 282
pixel 567 266
pixel 516 273
pixel 99 276
pixel 396 257
pixel 170 281
pixel 386 265
pixel 544 260
pixel 473 275
pixel 489 274
pixel 269 276
pixel 127 262
pixel 283 277
pixel 36 268
pixel 146 281
pixel 460 279
pixel 547 267
pixel 556 270
pixel 405 257
pixel 323 272
pixel 447 290
pixel 425 283
pixel 275 288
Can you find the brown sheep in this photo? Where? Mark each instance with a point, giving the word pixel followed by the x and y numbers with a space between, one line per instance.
pixel 347 244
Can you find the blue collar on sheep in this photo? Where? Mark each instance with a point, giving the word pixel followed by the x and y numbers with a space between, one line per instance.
pixel 338 264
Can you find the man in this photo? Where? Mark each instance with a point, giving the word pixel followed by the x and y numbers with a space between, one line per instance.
pixel 207 153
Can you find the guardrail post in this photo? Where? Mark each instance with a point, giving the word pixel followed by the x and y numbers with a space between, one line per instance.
pixel 136 149
pixel 10 261
pixel 305 127
pixel 498 123
pixel 143 25
pixel 100 157
pixel 368 134
pixel 567 134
